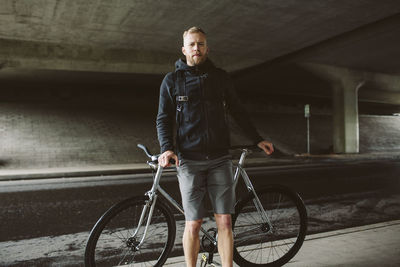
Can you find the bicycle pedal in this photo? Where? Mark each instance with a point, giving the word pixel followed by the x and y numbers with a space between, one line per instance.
pixel 203 261
pixel 204 257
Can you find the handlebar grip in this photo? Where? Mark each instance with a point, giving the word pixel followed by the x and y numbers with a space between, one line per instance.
pixel 145 149
pixel 171 161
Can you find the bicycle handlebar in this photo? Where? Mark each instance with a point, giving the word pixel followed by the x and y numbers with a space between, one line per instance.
pixel 145 149
pixel 154 158
pixel 241 147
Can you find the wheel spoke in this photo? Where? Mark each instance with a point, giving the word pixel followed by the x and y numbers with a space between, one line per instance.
pixel 113 243
pixel 257 244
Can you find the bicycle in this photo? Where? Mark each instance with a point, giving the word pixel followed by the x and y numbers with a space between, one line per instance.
pixel 269 226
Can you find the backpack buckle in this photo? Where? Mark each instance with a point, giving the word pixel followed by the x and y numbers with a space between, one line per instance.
pixel 182 98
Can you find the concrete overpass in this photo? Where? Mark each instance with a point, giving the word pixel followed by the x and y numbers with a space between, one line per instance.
pixel 347 49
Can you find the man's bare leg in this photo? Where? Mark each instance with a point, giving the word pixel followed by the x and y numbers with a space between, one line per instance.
pixel 191 242
pixel 225 239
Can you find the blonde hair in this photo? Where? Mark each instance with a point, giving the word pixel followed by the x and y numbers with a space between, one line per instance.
pixel 194 30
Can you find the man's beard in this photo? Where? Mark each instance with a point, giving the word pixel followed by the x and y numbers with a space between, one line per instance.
pixel 198 60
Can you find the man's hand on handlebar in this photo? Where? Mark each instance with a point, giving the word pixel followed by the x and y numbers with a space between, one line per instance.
pixel 266 146
pixel 165 158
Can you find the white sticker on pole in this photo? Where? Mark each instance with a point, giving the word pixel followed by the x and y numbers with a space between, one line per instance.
pixel 307 111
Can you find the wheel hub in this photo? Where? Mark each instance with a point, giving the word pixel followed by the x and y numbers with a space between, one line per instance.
pixel 133 244
pixel 265 227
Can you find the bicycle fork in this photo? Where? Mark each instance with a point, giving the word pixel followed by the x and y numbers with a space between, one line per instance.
pixel 150 204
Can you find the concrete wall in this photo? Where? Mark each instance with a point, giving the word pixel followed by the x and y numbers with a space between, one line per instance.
pixel 98 118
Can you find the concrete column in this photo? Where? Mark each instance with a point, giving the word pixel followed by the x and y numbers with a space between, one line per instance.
pixel 345 117
pixel 379 88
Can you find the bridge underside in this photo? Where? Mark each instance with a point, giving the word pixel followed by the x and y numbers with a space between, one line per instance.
pixel 336 52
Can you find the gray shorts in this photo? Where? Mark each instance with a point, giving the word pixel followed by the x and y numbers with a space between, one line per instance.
pixel 196 177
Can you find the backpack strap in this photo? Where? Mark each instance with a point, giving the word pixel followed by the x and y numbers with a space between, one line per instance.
pixel 180 97
pixel 180 88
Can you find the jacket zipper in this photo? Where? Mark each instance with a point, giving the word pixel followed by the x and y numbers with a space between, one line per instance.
pixel 205 116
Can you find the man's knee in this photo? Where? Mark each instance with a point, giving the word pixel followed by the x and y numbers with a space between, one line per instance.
pixel 224 221
pixel 193 227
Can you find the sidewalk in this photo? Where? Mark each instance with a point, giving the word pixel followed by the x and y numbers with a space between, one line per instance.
pixel 364 246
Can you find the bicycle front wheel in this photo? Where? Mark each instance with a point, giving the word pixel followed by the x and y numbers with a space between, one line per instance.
pixel 270 240
pixel 114 240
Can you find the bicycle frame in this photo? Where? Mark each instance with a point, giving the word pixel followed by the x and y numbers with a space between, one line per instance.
pixel 152 194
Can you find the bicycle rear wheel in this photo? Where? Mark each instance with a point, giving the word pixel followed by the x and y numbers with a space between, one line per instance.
pixel 112 241
pixel 258 244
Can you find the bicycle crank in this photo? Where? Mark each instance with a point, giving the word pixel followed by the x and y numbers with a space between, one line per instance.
pixel 206 244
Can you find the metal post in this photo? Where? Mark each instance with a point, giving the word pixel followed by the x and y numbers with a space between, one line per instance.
pixel 307 116
pixel 308 135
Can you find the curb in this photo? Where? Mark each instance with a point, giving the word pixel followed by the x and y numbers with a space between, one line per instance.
pixel 142 168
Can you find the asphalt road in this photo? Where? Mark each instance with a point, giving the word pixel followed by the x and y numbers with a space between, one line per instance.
pixel 65 205
pixel 51 211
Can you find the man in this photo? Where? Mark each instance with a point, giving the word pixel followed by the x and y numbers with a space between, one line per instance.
pixel 193 102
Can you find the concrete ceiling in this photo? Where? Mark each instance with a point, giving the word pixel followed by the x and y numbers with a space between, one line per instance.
pixel 145 36
pixel 53 39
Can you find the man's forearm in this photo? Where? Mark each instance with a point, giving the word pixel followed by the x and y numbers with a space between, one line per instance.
pixel 165 135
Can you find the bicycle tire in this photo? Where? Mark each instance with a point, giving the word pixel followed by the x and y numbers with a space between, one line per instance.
pixel 110 241
pixel 255 244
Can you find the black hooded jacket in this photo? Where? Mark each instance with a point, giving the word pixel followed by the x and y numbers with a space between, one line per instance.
pixel 193 106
